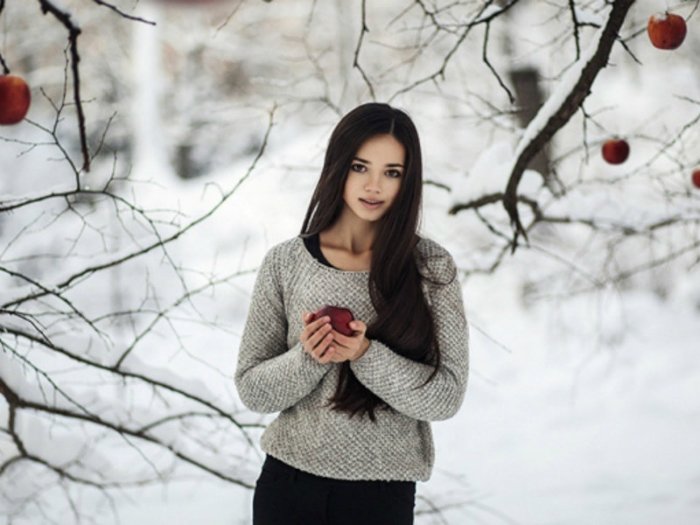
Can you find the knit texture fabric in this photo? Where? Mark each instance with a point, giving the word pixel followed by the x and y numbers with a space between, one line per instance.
pixel 275 374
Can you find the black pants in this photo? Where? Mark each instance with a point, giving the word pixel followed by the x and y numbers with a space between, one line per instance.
pixel 285 495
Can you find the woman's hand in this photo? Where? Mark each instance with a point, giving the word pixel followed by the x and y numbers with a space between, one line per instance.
pixel 334 347
pixel 316 337
pixel 349 348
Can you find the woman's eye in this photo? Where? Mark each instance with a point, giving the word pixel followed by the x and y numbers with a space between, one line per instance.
pixel 357 167
pixel 398 173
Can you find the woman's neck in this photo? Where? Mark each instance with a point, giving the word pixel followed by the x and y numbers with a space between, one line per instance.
pixel 350 234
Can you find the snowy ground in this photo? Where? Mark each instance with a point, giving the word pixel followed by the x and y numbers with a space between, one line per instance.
pixel 552 431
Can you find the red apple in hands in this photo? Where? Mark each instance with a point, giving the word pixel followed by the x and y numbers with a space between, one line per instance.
pixel 666 30
pixel 14 99
pixel 340 318
pixel 696 178
pixel 615 151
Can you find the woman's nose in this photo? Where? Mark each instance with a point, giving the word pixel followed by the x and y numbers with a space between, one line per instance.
pixel 373 184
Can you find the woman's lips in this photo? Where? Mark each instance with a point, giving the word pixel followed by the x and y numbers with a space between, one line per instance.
pixel 371 206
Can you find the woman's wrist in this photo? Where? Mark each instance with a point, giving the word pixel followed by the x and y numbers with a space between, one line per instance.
pixel 363 348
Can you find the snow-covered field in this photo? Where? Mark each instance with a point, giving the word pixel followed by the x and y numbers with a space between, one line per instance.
pixel 553 430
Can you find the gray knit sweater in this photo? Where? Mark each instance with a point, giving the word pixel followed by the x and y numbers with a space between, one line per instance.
pixel 275 374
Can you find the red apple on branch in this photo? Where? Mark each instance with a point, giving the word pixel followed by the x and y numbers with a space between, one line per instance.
pixel 15 98
pixel 666 30
pixel 695 177
pixel 615 151
pixel 340 318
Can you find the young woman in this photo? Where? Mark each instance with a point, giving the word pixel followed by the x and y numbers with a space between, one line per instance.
pixel 353 435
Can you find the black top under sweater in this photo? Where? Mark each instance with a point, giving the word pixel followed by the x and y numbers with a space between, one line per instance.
pixel 313 244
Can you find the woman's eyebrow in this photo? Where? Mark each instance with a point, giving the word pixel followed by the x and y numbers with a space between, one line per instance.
pixel 391 165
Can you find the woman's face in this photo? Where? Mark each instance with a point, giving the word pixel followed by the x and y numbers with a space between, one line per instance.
pixel 375 175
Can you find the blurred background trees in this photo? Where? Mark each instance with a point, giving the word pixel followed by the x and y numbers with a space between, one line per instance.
pixel 204 132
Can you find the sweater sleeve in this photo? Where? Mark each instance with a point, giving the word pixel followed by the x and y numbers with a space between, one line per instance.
pixel 271 377
pixel 397 380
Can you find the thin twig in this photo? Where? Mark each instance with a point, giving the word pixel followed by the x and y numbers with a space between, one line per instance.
pixel 74 31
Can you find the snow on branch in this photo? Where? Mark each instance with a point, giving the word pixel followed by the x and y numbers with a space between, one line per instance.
pixel 561 106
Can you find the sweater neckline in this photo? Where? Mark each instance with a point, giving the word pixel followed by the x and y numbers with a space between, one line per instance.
pixel 316 262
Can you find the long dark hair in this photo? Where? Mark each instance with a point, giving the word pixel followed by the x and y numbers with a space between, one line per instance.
pixel 404 322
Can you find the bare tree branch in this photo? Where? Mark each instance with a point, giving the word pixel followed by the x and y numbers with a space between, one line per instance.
pixel 355 61
pixel 73 32
pixel 122 13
